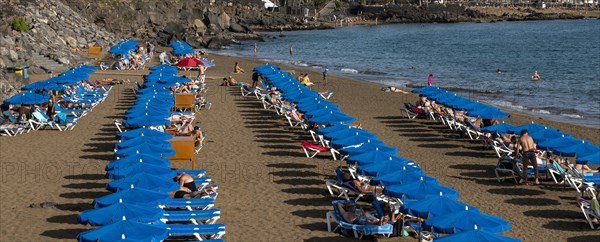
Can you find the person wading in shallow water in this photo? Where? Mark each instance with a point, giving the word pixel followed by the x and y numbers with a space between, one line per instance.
pixel 535 76
pixel 430 80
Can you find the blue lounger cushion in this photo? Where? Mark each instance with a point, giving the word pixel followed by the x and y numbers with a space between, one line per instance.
pixel 191 202
pixel 190 229
pixel 184 215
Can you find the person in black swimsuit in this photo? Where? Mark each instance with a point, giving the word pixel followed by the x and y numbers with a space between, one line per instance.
pixel 184 193
pixel 186 182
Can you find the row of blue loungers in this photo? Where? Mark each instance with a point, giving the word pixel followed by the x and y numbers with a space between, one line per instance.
pixel 406 187
pixel 70 87
pixel 141 209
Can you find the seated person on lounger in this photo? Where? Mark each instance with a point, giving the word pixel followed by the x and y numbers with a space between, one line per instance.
pixel 186 182
pixel 184 193
pixel 237 68
pixel 187 130
pixel 460 116
pixel 354 215
pixel 197 135
pixel 359 186
pixel 272 97
pixel 423 102
pixel 391 217
pixel 583 169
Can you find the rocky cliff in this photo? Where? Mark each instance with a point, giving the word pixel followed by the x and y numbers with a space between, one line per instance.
pixel 55 32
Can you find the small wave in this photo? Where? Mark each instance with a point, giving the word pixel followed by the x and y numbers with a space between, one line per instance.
pixel 507 104
pixel 542 111
pixel 571 115
pixel 300 64
pixel 349 70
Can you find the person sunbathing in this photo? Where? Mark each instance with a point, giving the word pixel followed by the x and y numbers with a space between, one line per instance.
pixel 306 81
pixel 197 135
pixel 230 81
pixel 583 169
pixel 7 124
pixel 187 130
pixel 186 193
pixel 185 181
pixel 463 118
pixel 354 215
pixel 360 186
pixel 393 89
pixel 171 129
pixel 389 216
pixel 237 68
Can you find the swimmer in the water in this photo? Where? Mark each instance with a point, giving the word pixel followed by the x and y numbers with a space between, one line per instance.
pixel 536 76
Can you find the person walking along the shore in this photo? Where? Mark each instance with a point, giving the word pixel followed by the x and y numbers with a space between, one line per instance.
pixel 325 76
pixel 430 80
pixel 526 145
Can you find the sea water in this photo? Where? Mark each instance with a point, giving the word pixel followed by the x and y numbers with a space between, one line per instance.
pixel 463 57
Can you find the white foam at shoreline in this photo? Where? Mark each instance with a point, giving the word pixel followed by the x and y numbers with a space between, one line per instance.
pixel 349 70
pixel 541 111
pixel 506 104
pixel 571 115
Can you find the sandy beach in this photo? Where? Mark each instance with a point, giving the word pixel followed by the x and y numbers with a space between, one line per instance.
pixel 268 189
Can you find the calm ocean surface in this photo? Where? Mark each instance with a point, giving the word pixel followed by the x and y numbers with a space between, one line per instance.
pixel 463 56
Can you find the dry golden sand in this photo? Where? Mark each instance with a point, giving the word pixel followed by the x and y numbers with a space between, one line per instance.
pixel 269 191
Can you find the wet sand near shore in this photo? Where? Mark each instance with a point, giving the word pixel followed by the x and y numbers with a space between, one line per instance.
pixel 268 189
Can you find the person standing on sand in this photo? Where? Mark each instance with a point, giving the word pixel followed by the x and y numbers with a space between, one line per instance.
pixel 325 75
pixel 526 145
pixel 430 80
pixel 255 47
pixel 201 76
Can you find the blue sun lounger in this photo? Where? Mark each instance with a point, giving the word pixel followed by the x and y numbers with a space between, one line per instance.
pixel 201 232
pixel 72 111
pixel 208 216
pixel 189 204
pixel 358 230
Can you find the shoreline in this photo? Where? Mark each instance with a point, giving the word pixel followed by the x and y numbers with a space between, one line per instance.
pixel 536 117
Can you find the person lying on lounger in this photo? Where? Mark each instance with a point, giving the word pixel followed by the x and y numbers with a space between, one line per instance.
pixel 184 193
pixel 354 215
pixel 393 89
pixel 360 186
pixel 186 182
pixel 188 130
pixel 230 81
